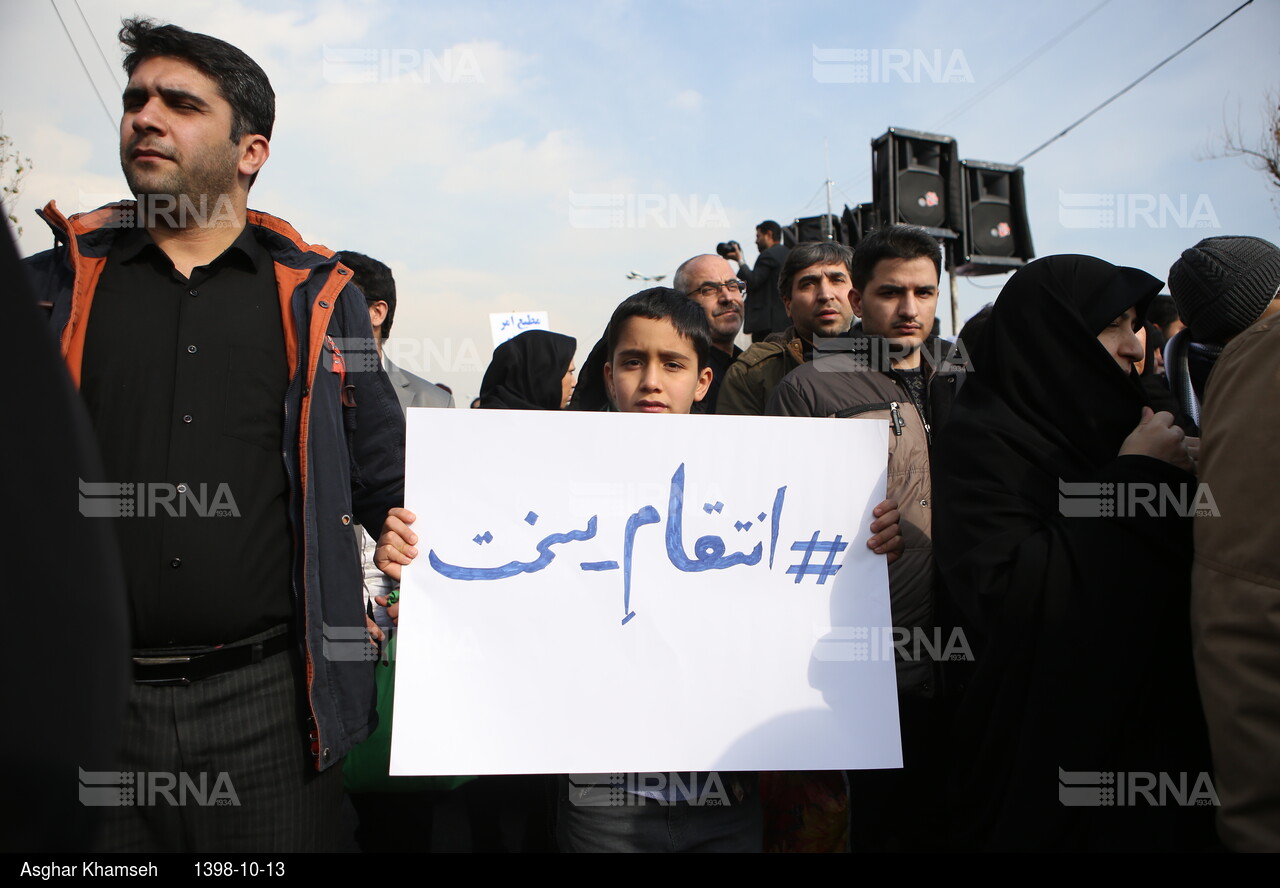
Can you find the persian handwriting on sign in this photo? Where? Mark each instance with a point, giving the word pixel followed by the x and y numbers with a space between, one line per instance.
pixel 528 321
pixel 709 551
pixel 511 568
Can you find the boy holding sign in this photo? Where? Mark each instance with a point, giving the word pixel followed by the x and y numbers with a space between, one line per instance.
pixel 659 362
pixel 659 345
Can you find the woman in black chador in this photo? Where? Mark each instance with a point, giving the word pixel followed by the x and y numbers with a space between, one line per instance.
pixel 1074 599
pixel 532 371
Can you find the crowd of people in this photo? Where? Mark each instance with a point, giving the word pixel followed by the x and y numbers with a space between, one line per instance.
pixel 1134 642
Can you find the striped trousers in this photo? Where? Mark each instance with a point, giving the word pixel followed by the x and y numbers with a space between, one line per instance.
pixel 223 765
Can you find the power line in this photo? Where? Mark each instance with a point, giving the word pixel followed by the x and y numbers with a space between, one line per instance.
pixel 83 67
pixel 1016 69
pixel 850 200
pixel 1133 84
pixel 98 46
pixel 1004 78
pixel 815 197
pixel 999 286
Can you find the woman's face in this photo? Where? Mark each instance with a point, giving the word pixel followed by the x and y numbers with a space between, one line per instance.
pixel 1120 339
pixel 566 386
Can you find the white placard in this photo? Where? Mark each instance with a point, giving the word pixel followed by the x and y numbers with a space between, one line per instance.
pixel 605 592
pixel 504 326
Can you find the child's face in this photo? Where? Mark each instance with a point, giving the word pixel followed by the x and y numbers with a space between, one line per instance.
pixel 655 369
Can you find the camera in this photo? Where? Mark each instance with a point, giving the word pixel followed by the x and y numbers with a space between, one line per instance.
pixel 725 249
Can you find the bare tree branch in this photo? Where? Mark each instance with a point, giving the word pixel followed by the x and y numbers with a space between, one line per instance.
pixel 13 169
pixel 1264 154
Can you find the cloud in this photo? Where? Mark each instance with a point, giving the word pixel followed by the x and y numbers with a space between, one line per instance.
pixel 687 100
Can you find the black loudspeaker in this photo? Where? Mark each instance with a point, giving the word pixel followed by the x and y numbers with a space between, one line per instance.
pixel 996 236
pixel 916 181
pixel 858 222
pixel 790 235
pixel 817 228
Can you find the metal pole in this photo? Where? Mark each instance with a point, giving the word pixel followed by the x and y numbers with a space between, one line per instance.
pixel 826 222
pixel 955 303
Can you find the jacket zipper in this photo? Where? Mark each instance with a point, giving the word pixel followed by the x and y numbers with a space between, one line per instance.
pixel 894 408
pixel 928 385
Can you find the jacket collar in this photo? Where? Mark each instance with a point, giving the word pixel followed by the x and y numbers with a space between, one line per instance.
pixel 96 231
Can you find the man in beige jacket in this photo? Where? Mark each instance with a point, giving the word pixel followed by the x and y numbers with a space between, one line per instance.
pixel 1226 291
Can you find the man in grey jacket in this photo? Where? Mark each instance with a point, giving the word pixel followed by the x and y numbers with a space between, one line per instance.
pixel 374 278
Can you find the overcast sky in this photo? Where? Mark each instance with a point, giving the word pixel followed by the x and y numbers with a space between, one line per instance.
pixel 473 146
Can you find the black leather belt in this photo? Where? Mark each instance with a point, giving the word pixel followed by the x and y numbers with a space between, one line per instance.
pixel 183 669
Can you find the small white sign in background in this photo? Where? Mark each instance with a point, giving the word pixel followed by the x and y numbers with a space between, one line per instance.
pixel 505 326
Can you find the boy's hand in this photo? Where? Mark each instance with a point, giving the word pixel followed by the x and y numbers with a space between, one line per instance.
pixel 396 545
pixel 886 533
pixel 391 604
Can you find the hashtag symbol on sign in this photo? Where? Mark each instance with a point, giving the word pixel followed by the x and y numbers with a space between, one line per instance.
pixel 808 547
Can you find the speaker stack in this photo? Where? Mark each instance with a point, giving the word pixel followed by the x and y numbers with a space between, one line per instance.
pixel 812 229
pixel 858 222
pixel 996 235
pixel 976 208
pixel 915 181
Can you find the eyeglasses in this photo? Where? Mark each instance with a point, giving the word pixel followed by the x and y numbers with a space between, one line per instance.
pixel 712 291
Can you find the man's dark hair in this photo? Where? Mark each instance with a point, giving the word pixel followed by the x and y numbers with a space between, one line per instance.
pixel 893 242
pixel 375 280
pixel 773 229
pixel 240 80
pixel 1162 312
pixel 663 303
pixel 812 253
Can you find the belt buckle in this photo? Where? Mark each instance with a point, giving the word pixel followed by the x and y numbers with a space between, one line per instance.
pixel 164 661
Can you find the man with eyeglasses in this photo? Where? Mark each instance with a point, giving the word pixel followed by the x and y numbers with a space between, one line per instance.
pixel 765 314
pixel 709 280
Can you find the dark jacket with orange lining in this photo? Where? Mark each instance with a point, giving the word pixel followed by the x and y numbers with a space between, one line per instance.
pixel 343 434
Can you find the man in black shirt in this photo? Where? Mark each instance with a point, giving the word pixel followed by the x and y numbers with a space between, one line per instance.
pixel 239 448
pixel 765 313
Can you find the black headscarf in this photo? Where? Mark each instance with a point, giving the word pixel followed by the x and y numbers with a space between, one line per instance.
pixel 1045 364
pixel 1079 626
pixel 527 371
pixel 590 393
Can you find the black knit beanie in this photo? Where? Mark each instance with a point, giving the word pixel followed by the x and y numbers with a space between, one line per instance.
pixel 1222 285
